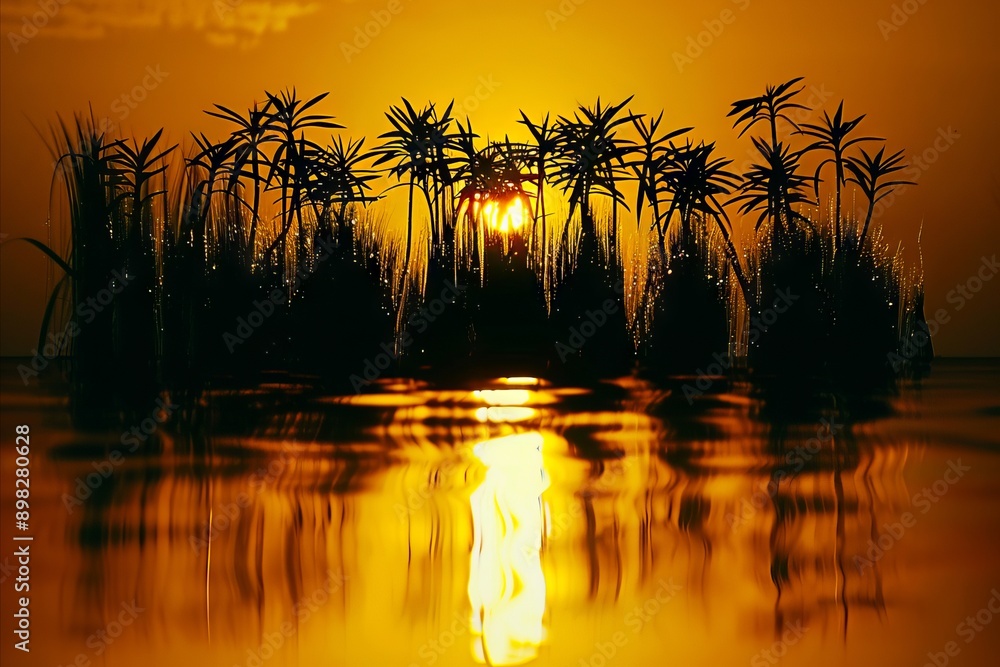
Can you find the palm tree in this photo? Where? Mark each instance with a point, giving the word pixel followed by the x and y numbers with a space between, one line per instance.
pixel 439 188
pixel 212 163
pixel 546 143
pixel 832 137
pixel 289 168
pixel 773 187
pixel 254 132
pixel 414 146
pixel 774 104
pixel 868 173
pixel 137 167
pixel 649 168
pixel 337 181
pixel 603 123
pixel 588 161
pixel 695 180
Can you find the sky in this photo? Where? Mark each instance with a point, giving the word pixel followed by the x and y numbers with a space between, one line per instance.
pixel 924 72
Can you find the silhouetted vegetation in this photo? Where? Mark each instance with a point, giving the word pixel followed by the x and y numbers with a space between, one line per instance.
pixel 268 249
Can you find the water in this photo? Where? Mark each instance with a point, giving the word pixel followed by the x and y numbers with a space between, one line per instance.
pixel 517 523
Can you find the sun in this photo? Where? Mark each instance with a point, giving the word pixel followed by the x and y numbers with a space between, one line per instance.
pixel 501 214
pixel 507 217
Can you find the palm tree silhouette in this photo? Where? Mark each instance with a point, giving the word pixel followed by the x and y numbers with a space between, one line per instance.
pixel 546 144
pixel 289 164
pixel 774 104
pixel 414 145
pixel 337 181
pixel 832 136
pixel 214 174
pixel 775 185
pixel 136 168
pixel 440 187
pixel 588 162
pixel 649 169
pixel 695 180
pixel 868 173
pixel 254 132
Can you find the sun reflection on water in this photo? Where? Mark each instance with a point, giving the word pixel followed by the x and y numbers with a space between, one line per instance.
pixel 504 396
pixel 506 582
pixel 520 524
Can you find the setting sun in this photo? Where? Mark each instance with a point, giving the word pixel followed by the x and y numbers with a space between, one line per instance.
pixel 503 214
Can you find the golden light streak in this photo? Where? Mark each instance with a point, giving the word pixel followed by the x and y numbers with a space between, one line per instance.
pixel 502 414
pixel 506 581
pixel 521 381
pixel 504 396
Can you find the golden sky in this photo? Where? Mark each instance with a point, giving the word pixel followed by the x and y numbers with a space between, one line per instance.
pixel 922 71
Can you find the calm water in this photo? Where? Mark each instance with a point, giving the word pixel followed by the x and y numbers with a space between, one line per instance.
pixel 513 522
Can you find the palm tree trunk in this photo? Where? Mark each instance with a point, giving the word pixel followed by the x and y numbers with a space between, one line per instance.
pixel 613 241
pixel 252 242
pixel 868 220
pixel 540 215
pixel 588 236
pixel 837 225
pixel 734 260
pixel 345 233
pixel 409 230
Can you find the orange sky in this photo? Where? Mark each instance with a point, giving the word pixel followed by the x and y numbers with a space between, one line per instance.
pixel 937 71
